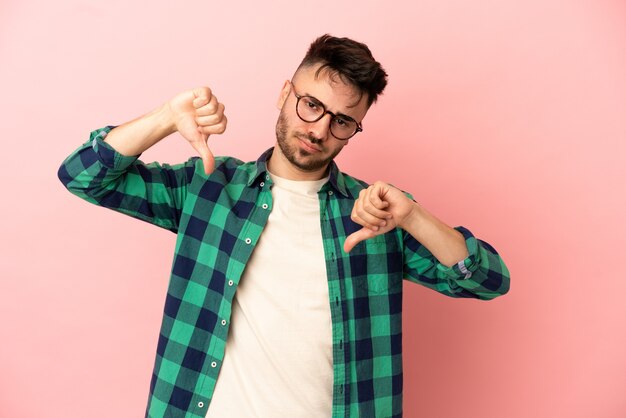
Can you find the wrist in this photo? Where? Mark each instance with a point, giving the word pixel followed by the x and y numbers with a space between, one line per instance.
pixel 413 217
pixel 166 118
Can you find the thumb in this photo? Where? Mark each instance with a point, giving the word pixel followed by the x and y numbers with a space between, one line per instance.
pixel 353 239
pixel 201 147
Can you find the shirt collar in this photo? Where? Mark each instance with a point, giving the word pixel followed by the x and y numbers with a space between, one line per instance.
pixel 259 170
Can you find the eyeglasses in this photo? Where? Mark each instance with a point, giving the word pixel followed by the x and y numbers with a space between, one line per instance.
pixel 310 110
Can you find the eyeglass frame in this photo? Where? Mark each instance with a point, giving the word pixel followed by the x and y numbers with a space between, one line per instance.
pixel 359 126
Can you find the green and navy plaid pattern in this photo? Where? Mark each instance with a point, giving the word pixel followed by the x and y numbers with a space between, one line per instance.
pixel 219 219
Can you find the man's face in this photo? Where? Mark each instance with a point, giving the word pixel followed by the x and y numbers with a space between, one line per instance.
pixel 310 146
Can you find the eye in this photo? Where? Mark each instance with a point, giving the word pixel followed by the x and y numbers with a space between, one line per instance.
pixel 341 121
pixel 310 104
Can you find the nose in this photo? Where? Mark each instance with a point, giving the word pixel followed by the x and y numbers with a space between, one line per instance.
pixel 320 129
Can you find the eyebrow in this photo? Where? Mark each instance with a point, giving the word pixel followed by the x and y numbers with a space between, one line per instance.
pixel 325 107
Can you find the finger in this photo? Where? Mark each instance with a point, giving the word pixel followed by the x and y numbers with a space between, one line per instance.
pixel 353 239
pixel 375 194
pixel 367 215
pixel 368 221
pixel 208 160
pixel 369 225
pixel 198 102
pixel 213 119
pixel 371 211
pixel 217 129
pixel 201 95
pixel 208 108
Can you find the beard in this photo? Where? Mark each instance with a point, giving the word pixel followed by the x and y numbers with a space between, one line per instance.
pixel 300 158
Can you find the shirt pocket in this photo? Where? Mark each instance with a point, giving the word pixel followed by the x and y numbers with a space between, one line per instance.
pixel 377 266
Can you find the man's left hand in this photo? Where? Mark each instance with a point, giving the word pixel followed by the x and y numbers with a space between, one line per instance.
pixel 379 209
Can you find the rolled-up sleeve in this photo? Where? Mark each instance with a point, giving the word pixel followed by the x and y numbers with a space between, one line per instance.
pixel 481 275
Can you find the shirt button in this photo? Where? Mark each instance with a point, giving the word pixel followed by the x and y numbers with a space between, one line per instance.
pixel 230 282
pixel 262 184
pixel 248 240
pixel 267 177
pixel 200 404
pixel 214 364
pixel 223 322
pixel 264 206
pixel 330 193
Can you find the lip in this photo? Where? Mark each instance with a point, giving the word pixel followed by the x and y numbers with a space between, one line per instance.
pixel 307 146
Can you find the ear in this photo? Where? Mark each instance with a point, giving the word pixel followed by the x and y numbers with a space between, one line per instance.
pixel 284 93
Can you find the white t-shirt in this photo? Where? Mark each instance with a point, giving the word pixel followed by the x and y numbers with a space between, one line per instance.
pixel 278 358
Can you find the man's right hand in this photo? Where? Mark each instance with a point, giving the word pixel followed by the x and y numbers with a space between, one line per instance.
pixel 197 114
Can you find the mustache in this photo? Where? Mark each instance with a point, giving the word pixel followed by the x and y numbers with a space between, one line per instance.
pixel 311 138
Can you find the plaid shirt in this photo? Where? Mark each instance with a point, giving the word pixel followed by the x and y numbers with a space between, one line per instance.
pixel 219 219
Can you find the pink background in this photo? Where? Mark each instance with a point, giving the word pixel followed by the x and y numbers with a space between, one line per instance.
pixel 508 117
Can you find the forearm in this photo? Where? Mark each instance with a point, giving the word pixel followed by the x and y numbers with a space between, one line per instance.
pixel 449 260
pixel 134 137
pixel 153 192
pixel 445 243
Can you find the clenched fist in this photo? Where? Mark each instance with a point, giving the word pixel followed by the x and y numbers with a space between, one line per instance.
pixel 197 115
pixel 379 208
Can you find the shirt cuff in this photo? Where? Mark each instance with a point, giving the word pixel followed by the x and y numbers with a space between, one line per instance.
pixel 107 155
pixel 464 269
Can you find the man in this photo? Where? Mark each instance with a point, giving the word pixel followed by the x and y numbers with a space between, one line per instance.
pixel 285 298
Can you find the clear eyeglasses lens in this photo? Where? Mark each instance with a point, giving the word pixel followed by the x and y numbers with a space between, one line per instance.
pixel 310 111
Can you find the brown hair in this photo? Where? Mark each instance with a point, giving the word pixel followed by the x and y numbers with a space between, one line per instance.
pixel 352 61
